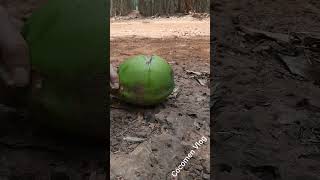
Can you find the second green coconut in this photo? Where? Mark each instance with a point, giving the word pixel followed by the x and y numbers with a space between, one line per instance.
pixel 145 80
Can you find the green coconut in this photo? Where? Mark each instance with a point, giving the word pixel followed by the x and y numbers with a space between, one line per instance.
pixel 68 43
pixel 145 80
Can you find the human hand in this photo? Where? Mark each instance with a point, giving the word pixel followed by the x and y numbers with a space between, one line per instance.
pixel 114 79
pixel 14 56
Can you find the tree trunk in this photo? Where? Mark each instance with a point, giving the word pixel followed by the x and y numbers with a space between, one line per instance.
pixel 161 7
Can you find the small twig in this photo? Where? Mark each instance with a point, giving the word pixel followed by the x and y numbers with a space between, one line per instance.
pixel 133 139
pixel 318 60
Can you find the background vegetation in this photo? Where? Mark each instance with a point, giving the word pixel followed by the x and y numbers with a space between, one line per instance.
pixel 158 7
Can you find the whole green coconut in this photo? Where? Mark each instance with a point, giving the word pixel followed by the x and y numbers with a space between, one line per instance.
pixel 68 46
pixel 145 80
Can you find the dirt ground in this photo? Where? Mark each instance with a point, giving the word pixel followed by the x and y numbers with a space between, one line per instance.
pixel 149 143
pixel 266 118
pixel 185 26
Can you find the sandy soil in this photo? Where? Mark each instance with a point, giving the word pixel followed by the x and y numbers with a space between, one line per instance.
pixel 266 119
pixel 166 132
pixel 185 26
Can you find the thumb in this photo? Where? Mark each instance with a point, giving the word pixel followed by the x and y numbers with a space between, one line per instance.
pixel 114 79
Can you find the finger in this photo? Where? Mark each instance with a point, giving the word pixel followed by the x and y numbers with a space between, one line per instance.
pixel 114 80
pixel 14 53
